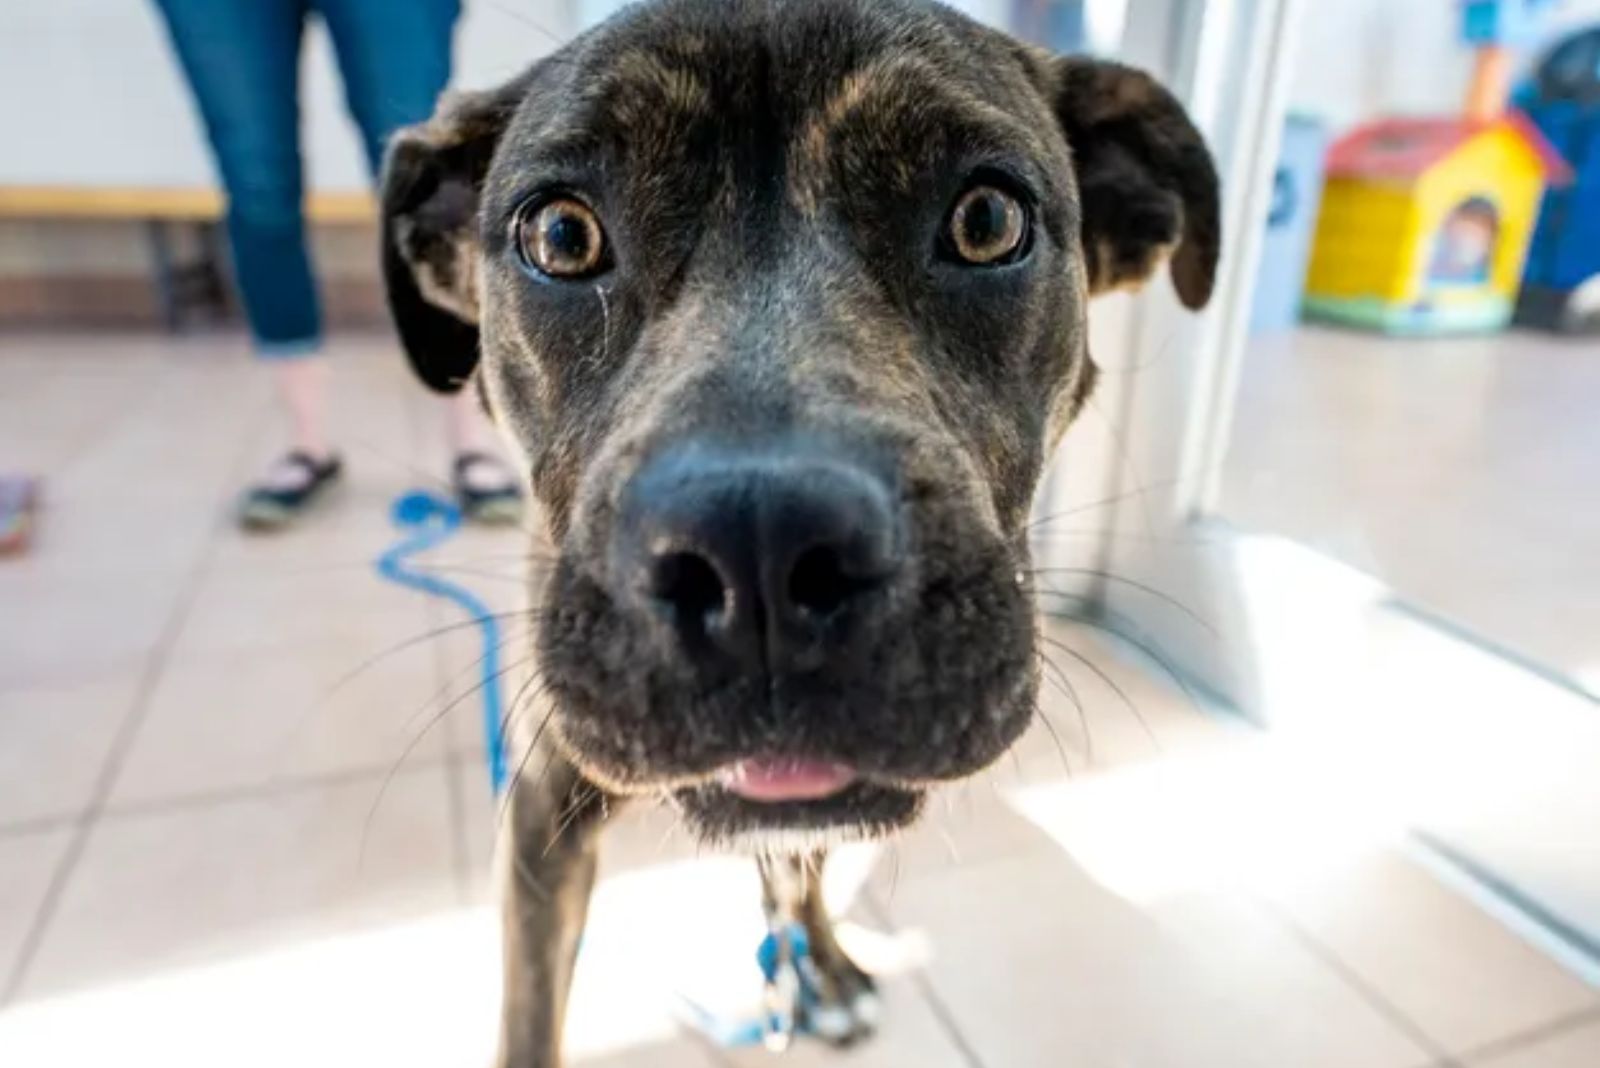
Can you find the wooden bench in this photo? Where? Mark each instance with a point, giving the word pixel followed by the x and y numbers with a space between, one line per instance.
pixel 185 285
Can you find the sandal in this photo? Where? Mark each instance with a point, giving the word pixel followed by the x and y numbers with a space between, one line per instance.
pixel 275 503
pixel 495 502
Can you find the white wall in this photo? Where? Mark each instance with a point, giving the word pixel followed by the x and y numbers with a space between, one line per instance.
pixel 92 94
pixel 1360 58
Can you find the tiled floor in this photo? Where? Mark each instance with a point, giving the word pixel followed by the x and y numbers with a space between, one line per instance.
pixel 1461 472
pixel 204 855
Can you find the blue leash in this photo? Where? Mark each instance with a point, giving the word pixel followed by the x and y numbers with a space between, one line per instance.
pixel 430 521
pixel 784 956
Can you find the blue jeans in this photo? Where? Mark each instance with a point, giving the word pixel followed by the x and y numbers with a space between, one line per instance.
pixel 242 58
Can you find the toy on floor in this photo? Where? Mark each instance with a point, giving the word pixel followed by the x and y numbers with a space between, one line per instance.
pixel 789 994
pixel 19 501
pixel 1561 286
pixel 1426 222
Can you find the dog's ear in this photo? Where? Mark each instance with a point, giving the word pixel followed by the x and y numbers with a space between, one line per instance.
pixel 1146 182
pixel 429 208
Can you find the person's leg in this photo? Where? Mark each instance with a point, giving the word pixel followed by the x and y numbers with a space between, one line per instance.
pixel 242 60
pixel 395 61
pixel 466 426
pixel 303 388
pixel 485 486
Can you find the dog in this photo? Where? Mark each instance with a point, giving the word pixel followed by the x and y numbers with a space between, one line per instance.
pixel 782 305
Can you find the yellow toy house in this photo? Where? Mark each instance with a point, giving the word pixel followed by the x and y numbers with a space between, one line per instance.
pixel 1425 224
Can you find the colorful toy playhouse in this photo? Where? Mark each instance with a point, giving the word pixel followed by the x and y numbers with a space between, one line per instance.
pixel 1425 223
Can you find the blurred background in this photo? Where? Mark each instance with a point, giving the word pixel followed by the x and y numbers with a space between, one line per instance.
pixel 1317 776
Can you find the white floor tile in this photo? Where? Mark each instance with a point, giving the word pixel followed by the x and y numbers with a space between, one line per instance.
pixel 27 866
pixel 1038 964
pixel 72 630
pixel 1574 1047
pixel 1460 471
pixel 54 741
pixel 1462 978
pixel 237 720
pixel 344 609
pixel 198 885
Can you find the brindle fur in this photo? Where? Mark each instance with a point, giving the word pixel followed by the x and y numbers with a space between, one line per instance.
pixel 773 176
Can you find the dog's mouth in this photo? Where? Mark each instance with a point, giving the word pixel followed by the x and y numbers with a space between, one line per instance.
pixel 777 779
pixel 762 800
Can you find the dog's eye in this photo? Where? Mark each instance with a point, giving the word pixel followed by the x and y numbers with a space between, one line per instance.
pixel 562 238
pixel 988 227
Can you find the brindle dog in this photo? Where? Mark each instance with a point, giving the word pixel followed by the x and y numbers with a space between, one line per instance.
pixel 783 305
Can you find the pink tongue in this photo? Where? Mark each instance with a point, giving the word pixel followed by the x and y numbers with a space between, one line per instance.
pixel 786 779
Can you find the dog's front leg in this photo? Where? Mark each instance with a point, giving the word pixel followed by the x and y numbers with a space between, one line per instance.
pixel 548 855
pixel 846 1007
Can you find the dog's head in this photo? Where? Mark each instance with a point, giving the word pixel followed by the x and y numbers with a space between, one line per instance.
pixel 783 304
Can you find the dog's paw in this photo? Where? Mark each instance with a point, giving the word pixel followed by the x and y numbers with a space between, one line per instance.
pixel 846 1008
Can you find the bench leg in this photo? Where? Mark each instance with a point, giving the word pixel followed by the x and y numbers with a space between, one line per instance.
pixel 186 287
pixel 210 279
pixel 158 235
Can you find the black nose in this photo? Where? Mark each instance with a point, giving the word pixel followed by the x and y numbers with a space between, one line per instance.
pixel 756 556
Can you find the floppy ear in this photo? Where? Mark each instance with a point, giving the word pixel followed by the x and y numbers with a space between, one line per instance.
pixel 1146 182
pixel 429 208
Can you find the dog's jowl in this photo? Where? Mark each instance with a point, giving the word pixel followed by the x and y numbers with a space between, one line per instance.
pixel 783 305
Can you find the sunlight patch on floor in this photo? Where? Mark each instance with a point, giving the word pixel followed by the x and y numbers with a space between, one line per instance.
pixel 416 994
pixel 426 992
pixel 1255 816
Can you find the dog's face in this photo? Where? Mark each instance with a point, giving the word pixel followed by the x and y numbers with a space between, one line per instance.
pixel 783 304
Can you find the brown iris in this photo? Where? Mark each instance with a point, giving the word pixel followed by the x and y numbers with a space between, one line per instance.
pixel 562 238
pixel 988 226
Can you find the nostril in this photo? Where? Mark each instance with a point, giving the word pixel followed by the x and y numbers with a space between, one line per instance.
pixel 756 559
pixel 820 584
pixel 689 585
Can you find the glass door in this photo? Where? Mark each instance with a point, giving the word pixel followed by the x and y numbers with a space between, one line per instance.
pixel 1385 546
